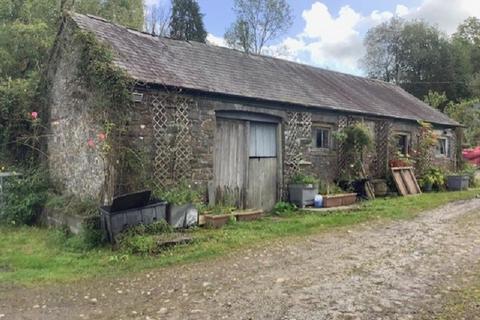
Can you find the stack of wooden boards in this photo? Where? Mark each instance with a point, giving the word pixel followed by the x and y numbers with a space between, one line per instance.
pixel 405 181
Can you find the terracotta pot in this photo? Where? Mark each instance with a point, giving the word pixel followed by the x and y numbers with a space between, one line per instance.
pixel 216 221
pixel 248 215
pixel 339 200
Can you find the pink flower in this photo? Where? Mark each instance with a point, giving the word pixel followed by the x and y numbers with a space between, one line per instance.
pixel 102 136
pixel 91 143
pixel 34 115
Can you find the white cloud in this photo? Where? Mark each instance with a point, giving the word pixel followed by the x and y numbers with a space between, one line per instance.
pixel 401 10
pixel 218 41
pixel 335 41
pixel 447 15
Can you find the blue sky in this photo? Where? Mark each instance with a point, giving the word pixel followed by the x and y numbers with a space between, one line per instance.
pixel 329 33
pixel 218 13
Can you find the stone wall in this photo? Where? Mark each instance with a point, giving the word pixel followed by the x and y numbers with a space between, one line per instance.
pixel 297 127
pixel 75 167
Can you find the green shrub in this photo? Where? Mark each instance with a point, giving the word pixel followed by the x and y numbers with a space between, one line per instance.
pixel 25 197
pixel 434 177
pixel 284 208
pixel 471 171
pixel 181 194
pixel 329 188
pixel 72 205
pixel 304 179
pixel 89 238
pixel 143 239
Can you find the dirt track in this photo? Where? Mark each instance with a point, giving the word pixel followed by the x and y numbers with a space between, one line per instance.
pixel 395 270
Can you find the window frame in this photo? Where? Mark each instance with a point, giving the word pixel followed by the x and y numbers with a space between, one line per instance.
pixel 315 131
pixel 447 148
pixel 407 142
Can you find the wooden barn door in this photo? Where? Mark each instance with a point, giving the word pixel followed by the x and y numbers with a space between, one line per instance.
pixel 230 161
pixel 262 166
pixel 246 163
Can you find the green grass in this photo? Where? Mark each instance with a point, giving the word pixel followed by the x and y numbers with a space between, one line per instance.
pixel 33 255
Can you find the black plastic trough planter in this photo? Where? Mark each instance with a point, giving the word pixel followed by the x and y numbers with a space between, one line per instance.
pixel 131 210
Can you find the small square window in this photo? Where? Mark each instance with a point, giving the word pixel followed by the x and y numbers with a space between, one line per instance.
pixel 442 147
pixel 321 138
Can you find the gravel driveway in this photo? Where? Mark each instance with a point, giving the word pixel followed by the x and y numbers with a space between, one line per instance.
pixel 379 270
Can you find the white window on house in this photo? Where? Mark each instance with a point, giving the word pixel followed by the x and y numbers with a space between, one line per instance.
pixel 442 147
pixel 321 138
pixel 402 144
pixel 263 140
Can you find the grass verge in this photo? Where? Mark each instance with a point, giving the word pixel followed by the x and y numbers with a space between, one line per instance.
pixel 32 255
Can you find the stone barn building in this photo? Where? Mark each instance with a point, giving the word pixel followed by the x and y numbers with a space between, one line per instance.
pixel 223 120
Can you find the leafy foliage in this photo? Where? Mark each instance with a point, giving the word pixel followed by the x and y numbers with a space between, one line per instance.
pixel 186 22
pixel 183 193
pixel 27 31
pixel 433 177
pixel 420 58
pixel 467 113
pixel 426 142
pixel 284 208
pixel 436 99
pixel 143 239
pixel 128 13
pixel 24 198
pixel 357 139
pixel 304 179
pixel 258 22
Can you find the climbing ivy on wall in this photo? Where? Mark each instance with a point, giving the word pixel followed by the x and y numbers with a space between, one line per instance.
pixel 112 108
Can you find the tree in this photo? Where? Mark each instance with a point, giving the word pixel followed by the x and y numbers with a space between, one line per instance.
pixel 418 57
pixel 426 60
pixel 129 13
pixel 469 31
pixel 436 99
pixel 258 22
pixel 467 38
pixel 157 20
pixel 186 22
pixel 382 44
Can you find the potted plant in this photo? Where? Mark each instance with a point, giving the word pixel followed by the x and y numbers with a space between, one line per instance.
pixel 433 178
pixel 218 216
pixel 336 197
pixel 458 181
pixel 357 140
pixel 181 210
pixel 302 190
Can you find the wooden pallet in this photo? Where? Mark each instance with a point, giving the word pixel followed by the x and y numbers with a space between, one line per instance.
pixel 405 181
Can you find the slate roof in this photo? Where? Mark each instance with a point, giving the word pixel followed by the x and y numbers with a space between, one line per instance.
pixel 213 69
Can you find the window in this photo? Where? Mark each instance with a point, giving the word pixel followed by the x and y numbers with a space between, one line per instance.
pixel 321 138
pixel 402 144
pixel 263 140
pixel 442 147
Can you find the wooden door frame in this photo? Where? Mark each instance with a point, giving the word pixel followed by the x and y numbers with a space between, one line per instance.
pixel 249 117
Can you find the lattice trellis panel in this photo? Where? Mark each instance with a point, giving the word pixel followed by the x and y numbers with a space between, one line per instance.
pixel 342 123
pixel 382 136
pixel 182 150
pixel 172 138
pixel 298 127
